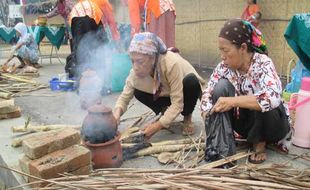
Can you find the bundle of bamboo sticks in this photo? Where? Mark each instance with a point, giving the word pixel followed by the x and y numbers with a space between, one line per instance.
pixel 18 85
pixel 204 177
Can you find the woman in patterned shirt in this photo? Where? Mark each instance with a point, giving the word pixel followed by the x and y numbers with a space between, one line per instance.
pixel 26 49
pixel 246 88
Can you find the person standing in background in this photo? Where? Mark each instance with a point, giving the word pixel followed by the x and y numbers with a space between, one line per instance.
pixel 255 19
pixel 108 17
pixel 158 17
pixel 250 9
pixel 84 17
pixel 63 8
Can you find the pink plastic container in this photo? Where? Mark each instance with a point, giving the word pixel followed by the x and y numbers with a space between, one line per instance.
pixel 301 103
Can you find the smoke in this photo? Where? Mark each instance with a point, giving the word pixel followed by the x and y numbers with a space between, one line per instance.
pixel 94 53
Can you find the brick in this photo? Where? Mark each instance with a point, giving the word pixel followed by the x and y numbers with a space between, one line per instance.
pixel 24 166
pixel 67 160
pixel 15 114
pixel 84 170
pixel 38 146
pixel 9 109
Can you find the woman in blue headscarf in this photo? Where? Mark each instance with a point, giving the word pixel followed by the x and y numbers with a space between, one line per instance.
pixel 161 80
pixel 26 49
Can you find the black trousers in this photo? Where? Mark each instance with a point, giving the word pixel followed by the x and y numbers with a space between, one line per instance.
pixel 256 126
pixel 191 93
pixel 79 27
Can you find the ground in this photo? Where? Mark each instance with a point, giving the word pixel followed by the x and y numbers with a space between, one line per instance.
pixel 48 107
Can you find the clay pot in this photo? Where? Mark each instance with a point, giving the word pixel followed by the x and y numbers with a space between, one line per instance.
pixel 106 155
pixel 90 89
pixel 99 125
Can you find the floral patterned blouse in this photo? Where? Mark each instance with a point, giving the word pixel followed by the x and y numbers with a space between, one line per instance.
pixel 261 81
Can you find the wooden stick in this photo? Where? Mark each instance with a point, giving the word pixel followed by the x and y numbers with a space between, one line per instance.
pixel 30 128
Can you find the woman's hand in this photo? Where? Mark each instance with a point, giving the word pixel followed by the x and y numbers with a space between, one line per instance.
pixel 152 129
pixel 117 114
pixel 223 104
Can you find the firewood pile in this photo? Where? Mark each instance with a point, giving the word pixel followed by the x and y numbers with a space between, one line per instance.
pixel 19 84
pixel 275 176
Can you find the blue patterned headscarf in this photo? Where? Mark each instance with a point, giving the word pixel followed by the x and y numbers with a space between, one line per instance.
pixel 147 43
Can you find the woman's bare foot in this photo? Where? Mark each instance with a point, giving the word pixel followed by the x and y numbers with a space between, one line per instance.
pixel 188 126
pixel 259 155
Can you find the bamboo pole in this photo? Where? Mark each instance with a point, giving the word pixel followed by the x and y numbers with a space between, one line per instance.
pixel 19 79
pixel 5 95
pixel 40 128
pixel 242 181
pixel 159 149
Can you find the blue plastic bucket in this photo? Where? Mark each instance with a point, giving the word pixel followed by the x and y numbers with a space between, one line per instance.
pixel 121 65
pixel 56 85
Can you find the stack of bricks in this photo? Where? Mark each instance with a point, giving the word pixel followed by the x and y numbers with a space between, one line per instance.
pixel 8 109
pixel 54 153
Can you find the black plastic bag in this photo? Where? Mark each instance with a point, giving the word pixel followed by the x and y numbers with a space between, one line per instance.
pixel 220 141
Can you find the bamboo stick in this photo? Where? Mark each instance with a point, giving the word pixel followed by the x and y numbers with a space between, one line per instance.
pixel 198 178
pixel 40 128
pixel 243 181
pixel 159 149
pixel 213 164
pixel 178 185
pixel 5 95
pixel 19 79
pixel 129 131
pixel 34 177
pixel 212 185
pixel 172 142
pixel 287 180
